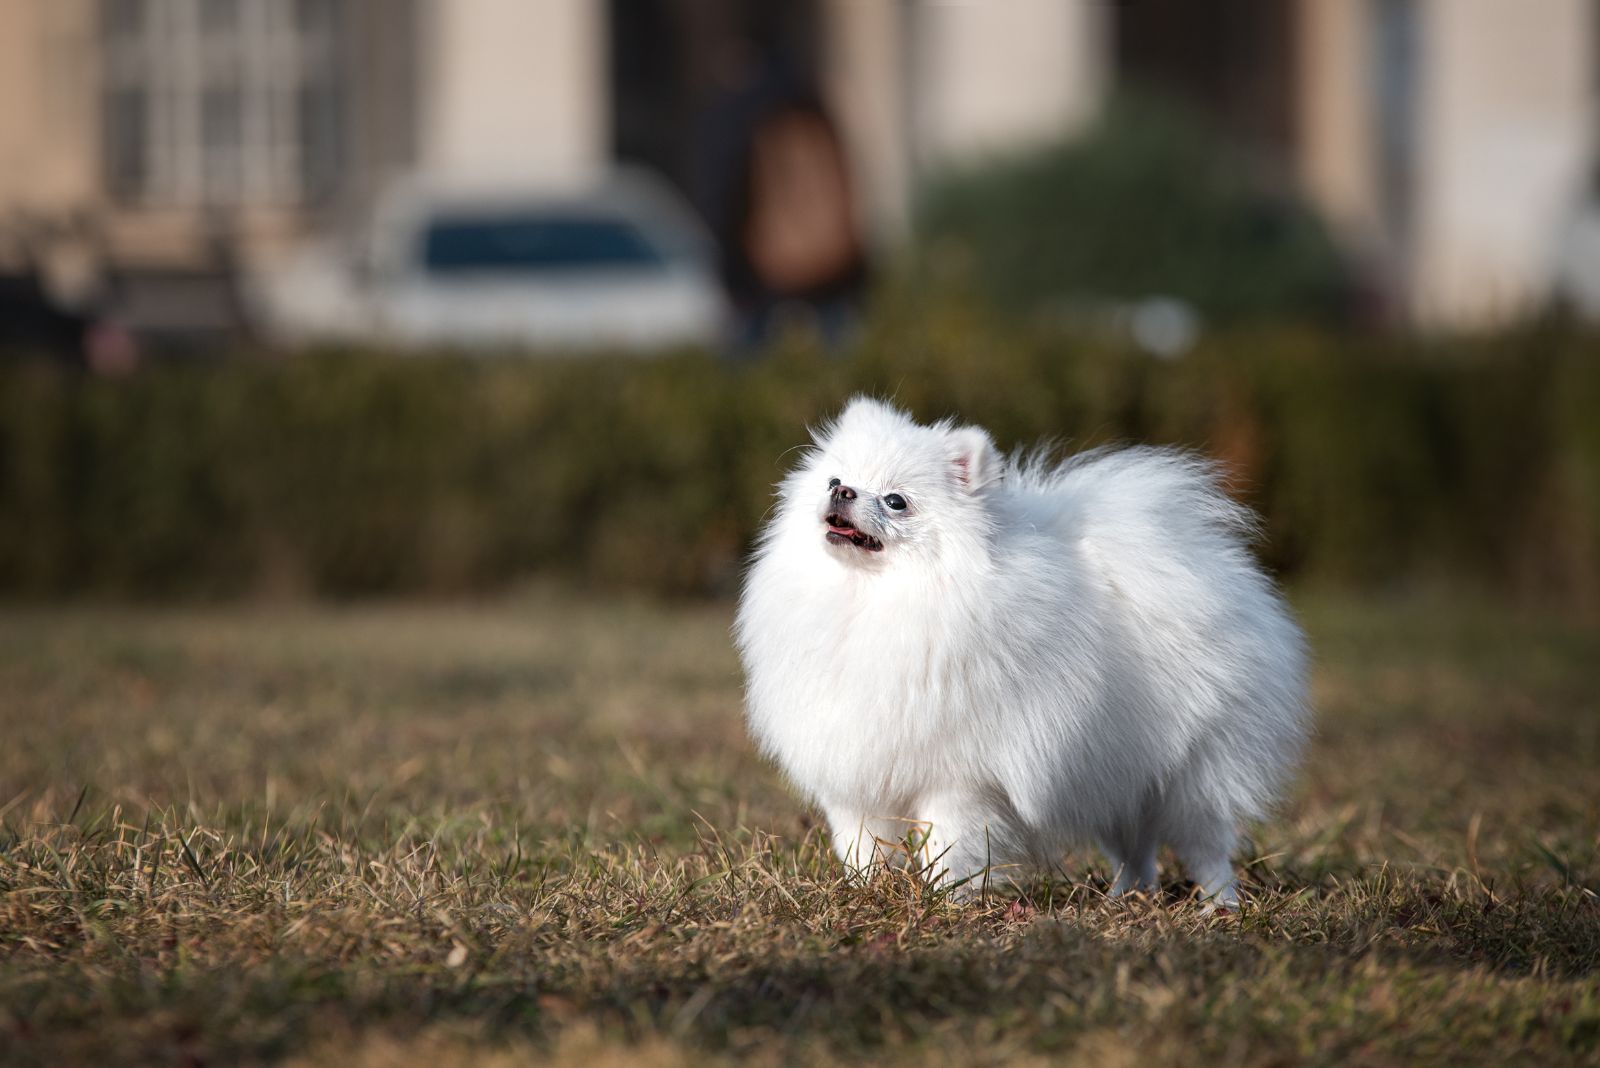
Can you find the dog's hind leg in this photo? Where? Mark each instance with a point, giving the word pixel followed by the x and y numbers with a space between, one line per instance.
pixel 1133 860
pixel 1131 849
pixel 1133 871
pixel 1206 852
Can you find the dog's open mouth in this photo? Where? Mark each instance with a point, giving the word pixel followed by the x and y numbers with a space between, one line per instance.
pixel 843 532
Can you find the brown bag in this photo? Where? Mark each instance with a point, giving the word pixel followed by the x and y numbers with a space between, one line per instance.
pixel 800 232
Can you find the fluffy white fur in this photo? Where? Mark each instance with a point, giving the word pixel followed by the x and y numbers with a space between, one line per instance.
pixel 1037 655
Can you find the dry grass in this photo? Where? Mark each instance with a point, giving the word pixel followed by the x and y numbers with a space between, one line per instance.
pixel 534 830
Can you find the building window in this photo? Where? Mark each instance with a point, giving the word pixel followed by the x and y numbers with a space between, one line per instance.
pixel 223 103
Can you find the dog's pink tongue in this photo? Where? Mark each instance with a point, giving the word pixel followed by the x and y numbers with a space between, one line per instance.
pixel 846 531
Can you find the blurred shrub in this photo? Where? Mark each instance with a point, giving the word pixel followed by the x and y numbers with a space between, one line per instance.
pixel 1373 463
pixel 1147 203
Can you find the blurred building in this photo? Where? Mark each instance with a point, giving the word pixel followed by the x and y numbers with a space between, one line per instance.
pixel 1446 140
pixel 1451 140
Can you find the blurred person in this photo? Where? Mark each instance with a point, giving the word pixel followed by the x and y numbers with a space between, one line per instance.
pixel 34 323
pixel 775 189
pixel 31 323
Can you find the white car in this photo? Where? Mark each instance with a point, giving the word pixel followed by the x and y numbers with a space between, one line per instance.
pixel 620 266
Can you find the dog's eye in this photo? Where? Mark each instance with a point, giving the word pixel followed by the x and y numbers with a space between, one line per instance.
pixel 832 482
pixel 895 501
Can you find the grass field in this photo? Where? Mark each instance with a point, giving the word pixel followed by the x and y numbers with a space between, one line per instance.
pixel 498 833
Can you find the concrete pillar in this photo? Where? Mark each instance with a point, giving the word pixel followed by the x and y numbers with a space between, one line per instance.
pixel 49 106
pixel 864 77
pixel 990 76
pixel 1336 142
pixel 1507 124
pixel 514 90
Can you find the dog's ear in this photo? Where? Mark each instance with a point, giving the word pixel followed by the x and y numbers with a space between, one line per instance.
pixel 973 457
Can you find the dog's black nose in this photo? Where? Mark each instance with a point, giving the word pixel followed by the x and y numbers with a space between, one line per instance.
pixel 842 491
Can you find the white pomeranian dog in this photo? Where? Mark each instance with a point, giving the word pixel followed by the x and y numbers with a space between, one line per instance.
pixel 971 662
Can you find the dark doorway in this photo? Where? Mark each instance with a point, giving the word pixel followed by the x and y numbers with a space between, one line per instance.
pixel 669 58
pixel 1231 60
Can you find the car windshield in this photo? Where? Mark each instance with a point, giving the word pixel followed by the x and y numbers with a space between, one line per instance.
pixel 531 243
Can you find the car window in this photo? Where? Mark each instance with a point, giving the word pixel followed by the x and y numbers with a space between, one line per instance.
pixel 527 243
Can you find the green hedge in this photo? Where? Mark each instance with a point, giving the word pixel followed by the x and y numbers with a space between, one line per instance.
pixel 1148 202
pixel 1374 463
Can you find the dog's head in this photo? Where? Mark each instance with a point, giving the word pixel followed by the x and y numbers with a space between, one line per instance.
pixel 878 486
